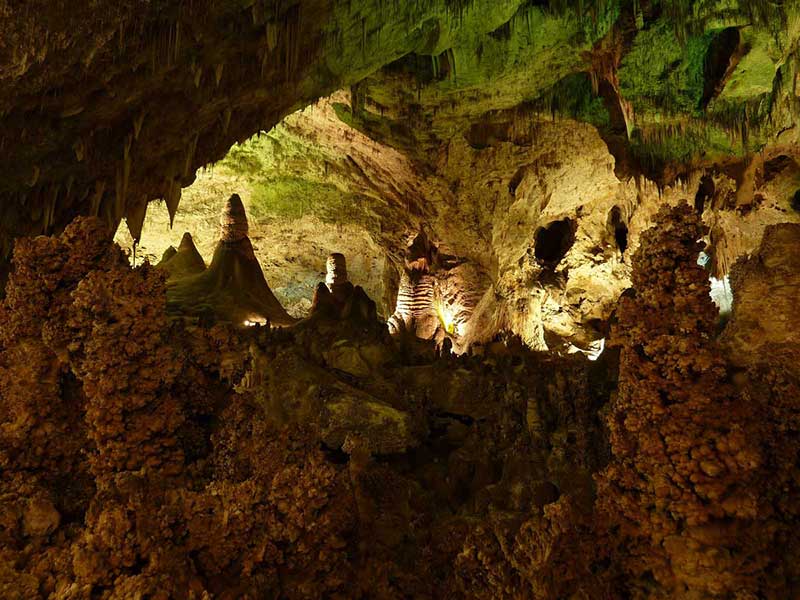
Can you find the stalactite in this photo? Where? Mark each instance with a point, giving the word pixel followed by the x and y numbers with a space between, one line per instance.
pixel 36 206
pixel 68 190
pixel 138 121
pixel 172 198
pixel 50 208
pixel 126 172
pixel 118 205
pixel 35 177
pixel 226 120
pixel 190 152
pixel 177 41
pixel 135 218
pixel 80 150
pixel 271 31
pixel 97 197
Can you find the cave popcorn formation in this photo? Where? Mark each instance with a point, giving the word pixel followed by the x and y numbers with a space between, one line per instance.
pixel 444 299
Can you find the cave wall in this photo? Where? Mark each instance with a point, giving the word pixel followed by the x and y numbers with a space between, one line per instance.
pixel 483 197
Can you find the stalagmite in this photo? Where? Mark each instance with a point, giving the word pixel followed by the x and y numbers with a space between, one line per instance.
pixel 184 261
pixel 233 287
pixel 233 223
pixel 336 267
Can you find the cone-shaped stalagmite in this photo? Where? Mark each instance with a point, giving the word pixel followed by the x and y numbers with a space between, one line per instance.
pixel 184 261
pixel 233 223
pixel 233 287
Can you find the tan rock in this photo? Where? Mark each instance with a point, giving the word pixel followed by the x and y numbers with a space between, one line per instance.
pixel 40 518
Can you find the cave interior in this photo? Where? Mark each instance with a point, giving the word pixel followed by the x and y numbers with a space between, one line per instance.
pixel 387 299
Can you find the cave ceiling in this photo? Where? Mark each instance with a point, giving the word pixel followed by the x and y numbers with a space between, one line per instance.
pixel 107 106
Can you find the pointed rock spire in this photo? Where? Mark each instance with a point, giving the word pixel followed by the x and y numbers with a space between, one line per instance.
pixel 234 220
pixel 336 270
pixel 186 260
pixel 135 219
pixel 187 243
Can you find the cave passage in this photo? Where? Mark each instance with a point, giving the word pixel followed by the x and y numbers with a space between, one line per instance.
pixel 619 228
pixel 704 193
pixel 554 241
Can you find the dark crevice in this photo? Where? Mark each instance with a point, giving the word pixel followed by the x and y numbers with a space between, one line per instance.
pixel 554 241
pixel 796 201
pixel 516 180
pixel 619 228
pixel 484 135
pixel 722 55
pixel 774 167
pixel 704 193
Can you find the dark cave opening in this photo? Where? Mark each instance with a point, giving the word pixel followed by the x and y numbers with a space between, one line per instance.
pixel 704 193
pixel 774 167
pixel 554 241
pixel 619 228
pixel 721 55
pixel 796 201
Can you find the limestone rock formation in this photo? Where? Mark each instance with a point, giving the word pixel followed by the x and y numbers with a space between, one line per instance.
pixel 336 272
pixel 548 201
pixel 695 482
pixel 233 287
pixel 186 260
pixel 763 328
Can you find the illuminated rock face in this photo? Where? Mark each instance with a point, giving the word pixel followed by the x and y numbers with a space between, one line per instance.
pixel 764 323
pixel 536 241
pixel 336 271
pixel 415 300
